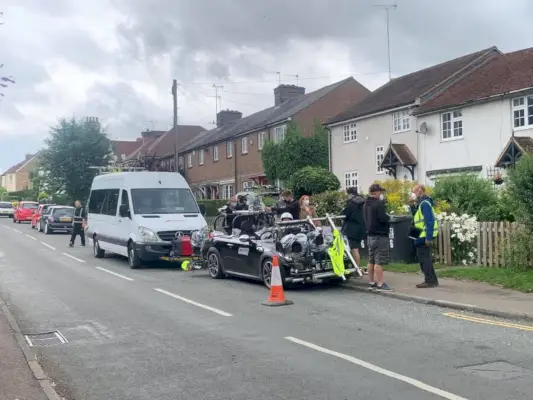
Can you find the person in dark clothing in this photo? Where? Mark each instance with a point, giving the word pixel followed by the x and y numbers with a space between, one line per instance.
pixel 377 223
pixel 292 207
pixel 78 224
pixel 241 204
pixel 354 223
pixel 425 222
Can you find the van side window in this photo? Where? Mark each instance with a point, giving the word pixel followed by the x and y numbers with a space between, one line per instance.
pixel 124 201
pixel 111 204
pixel 96 201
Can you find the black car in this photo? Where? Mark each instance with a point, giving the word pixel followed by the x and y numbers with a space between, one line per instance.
pixel 57 218
pixel 301 250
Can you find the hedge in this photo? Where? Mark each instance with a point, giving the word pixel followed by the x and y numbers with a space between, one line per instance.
pixel 212 206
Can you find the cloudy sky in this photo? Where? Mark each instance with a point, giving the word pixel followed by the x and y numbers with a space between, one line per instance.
pixel 116 59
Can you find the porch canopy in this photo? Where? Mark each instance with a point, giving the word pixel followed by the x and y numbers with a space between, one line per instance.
pixel 398 154
pixel 513 150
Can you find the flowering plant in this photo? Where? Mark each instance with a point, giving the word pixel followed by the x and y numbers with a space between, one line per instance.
pixel 463 229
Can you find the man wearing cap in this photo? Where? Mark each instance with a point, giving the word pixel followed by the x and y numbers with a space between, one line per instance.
pixel 377 223
pixel 354 223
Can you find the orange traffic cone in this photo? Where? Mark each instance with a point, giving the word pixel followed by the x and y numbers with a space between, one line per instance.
pixel 277 295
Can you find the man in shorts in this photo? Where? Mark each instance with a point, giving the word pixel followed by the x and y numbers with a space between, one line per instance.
pixel 377 223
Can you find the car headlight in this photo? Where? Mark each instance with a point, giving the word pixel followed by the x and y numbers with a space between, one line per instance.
pixel 147 235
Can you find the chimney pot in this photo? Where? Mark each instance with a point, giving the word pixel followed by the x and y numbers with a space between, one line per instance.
pixel 287 92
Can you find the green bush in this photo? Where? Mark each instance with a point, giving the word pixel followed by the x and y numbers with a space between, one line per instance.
pixel 25 194
pixel 313 180
pixel 331 202
pixel 518 253
pixel 520 187
pixel 212 206
pixel 468 194
pixel 42 196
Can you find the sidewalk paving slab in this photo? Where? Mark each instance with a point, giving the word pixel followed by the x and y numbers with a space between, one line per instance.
pixel 461 295
pixel 17 380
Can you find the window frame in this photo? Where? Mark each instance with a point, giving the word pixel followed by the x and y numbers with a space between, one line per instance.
pixel 277 130
pixel 351 175
pixel 201 157
pixel 189 160
pixel 349 132
pixel 378 160
pixel 260 140
pixel 401 117
pixel 527 108
pixel 215 153
pixel 229 149
pixel 244 145
pixel 225 191
pixel 453 119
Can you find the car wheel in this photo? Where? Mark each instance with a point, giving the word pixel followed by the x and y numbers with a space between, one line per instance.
pixel 98 252
pixel 214 264
pixel 133 259
pixel 47 229
pixel 14 220
pixel 18 221
pixel 266 271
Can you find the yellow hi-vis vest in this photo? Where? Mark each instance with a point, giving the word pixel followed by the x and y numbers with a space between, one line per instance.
pixel 420 223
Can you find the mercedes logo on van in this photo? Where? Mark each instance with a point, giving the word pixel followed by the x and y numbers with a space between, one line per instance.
pixel 178 234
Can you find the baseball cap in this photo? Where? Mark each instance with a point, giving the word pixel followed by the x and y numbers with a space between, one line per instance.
pixel 375 187
pixel 352 190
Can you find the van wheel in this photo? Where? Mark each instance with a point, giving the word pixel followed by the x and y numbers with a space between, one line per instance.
pixel 98 252
pixel 133 258
pixel 214 264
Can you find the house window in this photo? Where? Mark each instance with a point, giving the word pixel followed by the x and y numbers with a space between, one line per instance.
pixel 247 185
pixel 401 121
pixel 523 112
pixel 189 160
pixel 351 179
pixel 201 155
pixel 244 145
pixel 260 140
pixel 380 155
pixel 227 191
pixel 215 153
pixel 279 133
pixel 229 149
pixel 452 125
pixel 350 132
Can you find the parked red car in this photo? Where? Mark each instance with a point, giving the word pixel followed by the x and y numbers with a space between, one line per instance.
pixel 36 218
pixel 25 211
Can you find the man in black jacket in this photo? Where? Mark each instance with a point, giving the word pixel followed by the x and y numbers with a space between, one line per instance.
pixel 377 228
pixel 354 223
pixel 292 207
pixel 78 222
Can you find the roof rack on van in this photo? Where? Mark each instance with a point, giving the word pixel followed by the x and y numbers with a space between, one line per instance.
pixel 113 169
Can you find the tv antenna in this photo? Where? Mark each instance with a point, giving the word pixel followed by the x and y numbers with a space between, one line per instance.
pixel 387 8
pixel 217 97
pixel 294 76
pixel 278 74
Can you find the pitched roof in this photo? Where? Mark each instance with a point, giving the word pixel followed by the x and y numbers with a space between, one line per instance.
pixel 514 149
pixel 261 119
pixel 125 146
pixel 404 90
pixel 164 144
pixel 502 74
pixel 405 156
pixel 15 168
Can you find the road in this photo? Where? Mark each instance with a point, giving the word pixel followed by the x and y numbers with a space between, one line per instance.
pixel 161 333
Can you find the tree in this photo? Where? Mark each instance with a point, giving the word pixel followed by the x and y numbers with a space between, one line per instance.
pixel 73 147
pixel 4 80
pixel 3 193
pixel 313 180
pixel 281 160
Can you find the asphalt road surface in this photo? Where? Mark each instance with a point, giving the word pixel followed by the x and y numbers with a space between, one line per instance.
pixel 161 333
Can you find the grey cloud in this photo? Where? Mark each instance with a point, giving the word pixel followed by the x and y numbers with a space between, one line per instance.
pixel 80 49
pixel 218 69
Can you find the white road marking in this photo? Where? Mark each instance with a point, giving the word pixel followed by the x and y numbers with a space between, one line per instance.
pixel 194 303
pixel 379 370
pixel 5 226
pixel 28 340
pixel 74 258
pixel 47 245
pixel 31 237
pixel 16 230
pixel 114 273
pixel 61 338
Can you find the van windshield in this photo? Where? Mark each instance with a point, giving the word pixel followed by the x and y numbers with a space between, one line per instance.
pixel 6 205
pixel 163 201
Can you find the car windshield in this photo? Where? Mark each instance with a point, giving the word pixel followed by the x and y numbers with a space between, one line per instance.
pixel 30 205
pixel 63 212
pixel 6 205
pixel 163 201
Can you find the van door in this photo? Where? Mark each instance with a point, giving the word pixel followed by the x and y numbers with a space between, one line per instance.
pixel 110 230
pixel 125 224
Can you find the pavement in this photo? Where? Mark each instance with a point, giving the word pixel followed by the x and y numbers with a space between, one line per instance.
pixel 462 295
pixel 161 333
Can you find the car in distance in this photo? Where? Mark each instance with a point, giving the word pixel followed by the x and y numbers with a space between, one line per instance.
pixel 6 209
pixel 25 211
pixel 56 218
pixel 36 218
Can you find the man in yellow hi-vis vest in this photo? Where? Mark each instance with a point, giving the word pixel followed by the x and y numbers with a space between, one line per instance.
pixel 426 222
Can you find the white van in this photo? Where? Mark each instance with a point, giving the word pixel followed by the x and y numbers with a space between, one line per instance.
pixel 137 214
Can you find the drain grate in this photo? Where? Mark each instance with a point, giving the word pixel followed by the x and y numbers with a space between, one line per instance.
pixel 45 339
pixel 499 370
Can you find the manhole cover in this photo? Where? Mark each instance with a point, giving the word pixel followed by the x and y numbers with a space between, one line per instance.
pixel 45 339
pixel 499 370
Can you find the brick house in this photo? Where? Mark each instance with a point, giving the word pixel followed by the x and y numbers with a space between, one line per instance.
pixel 227 159
pixel 17 177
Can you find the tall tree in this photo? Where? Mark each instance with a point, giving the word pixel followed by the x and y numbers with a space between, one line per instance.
pixel 73 147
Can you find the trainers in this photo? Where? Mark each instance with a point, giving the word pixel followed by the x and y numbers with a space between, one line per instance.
pixel 425 285
pixel 384 288
pixel 71 245
pixel 372 285
pixel 82 245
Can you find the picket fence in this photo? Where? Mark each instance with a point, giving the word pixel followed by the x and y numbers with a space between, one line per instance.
pixel 492 238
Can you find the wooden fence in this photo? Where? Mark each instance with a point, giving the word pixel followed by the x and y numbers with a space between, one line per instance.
pixel 492 238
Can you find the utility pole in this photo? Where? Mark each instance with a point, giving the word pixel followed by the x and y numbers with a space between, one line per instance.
pixel 175 122
pixel 387 8
pixel 217 98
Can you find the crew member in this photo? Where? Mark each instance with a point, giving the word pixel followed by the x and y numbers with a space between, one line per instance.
pixel 354 222
pixel 292 207
pixel 78 224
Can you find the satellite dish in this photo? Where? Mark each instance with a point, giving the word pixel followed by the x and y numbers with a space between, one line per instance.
pixel 423 128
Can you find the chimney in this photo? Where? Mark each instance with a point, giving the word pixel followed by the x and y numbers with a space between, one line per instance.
pixel 225 117
pixel 287 92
